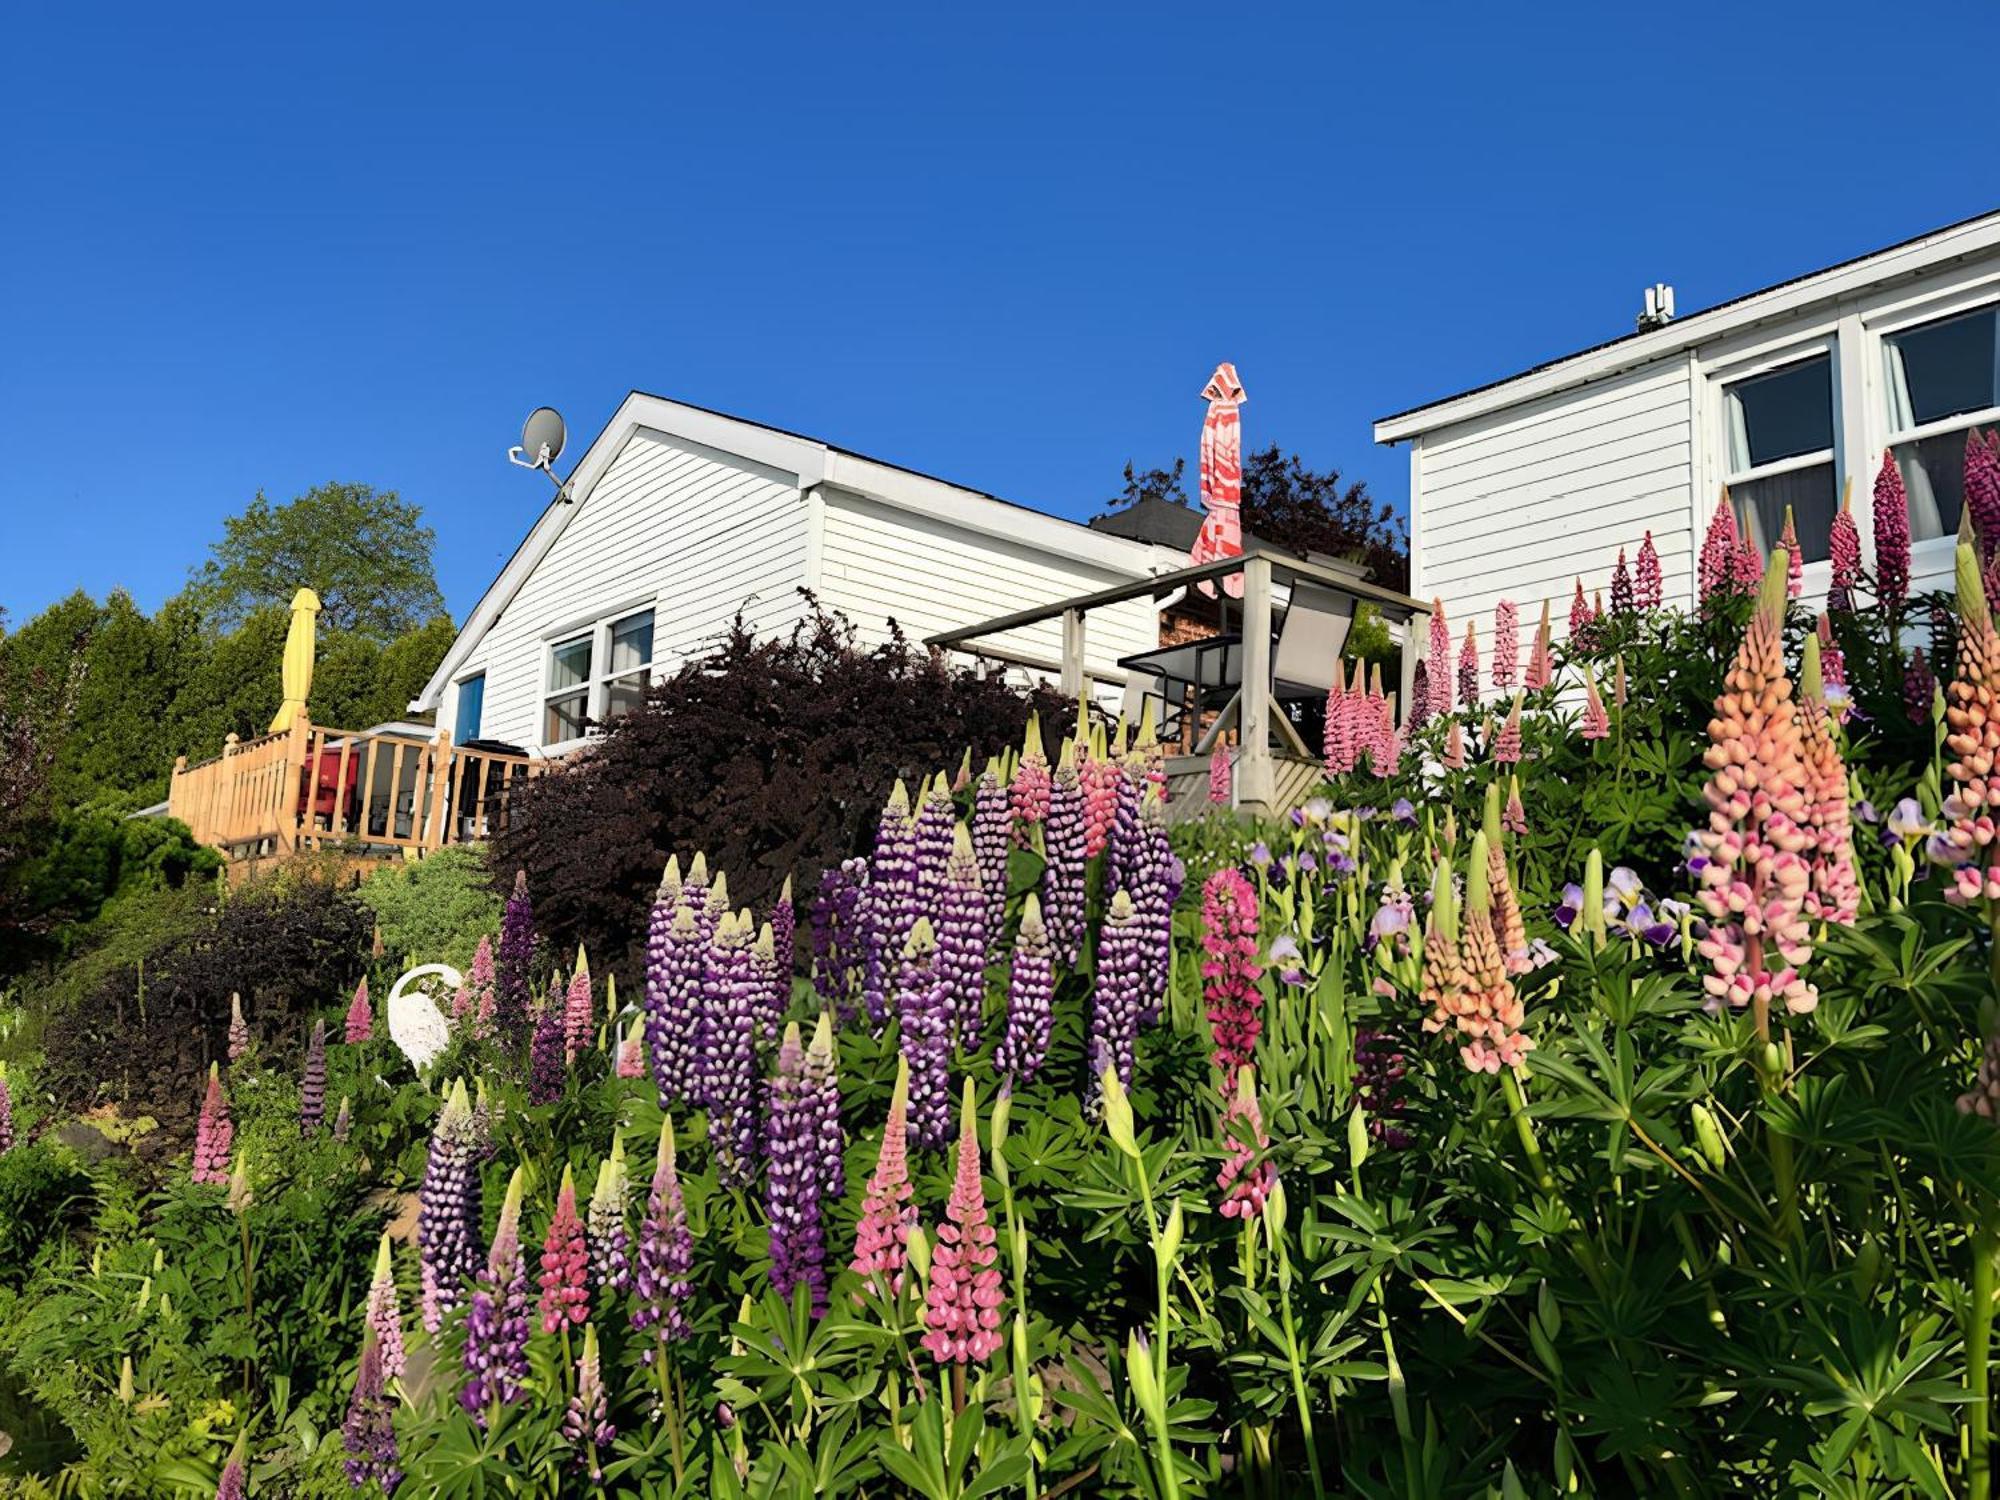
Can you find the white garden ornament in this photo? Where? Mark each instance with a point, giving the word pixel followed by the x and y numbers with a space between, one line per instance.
pixel 416 1024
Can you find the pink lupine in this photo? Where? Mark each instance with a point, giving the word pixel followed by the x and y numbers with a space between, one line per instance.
pixel 6 1114
pixel 1596 722
pixel 1438 663
pixel 385 1313
pixel 1647 591
pixel 565 1264
pixel 887 1214
pixel 1835 896
pixel 1746 566
pixel 1795 578
pixel 1755 881
pixel 1966 842
pixel 1714 568
pixel 1247 1174
pixel 1541 661
pixel 1468 668
pixel 360 1016
pixel 1892 536
pixel 962 1303
pixel 1033 781
pixel 239 1029
pixel 1385 756
pixel 1099 776
pixel 579 1011
pixel 1220 761
pixel 214 1134
pixel 1337 737
pixel 1514 817
pixel 1454 747
pixel 632 1050
pixel 1580 615
pixel 1506 644
pixel 480 980
pixel 1229 967
pixel 1507 744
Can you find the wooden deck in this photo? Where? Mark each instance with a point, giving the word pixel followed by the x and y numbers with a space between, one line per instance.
pixel 371 796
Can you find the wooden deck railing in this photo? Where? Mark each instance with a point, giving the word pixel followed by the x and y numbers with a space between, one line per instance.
pixel 378 795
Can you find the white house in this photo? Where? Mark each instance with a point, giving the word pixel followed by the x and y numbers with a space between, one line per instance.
pixel 679 518
pixel 1785 395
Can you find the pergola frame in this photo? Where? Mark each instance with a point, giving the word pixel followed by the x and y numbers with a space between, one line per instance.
pixel 1254 706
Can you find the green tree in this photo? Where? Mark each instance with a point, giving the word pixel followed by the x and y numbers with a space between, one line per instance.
pixel 365 552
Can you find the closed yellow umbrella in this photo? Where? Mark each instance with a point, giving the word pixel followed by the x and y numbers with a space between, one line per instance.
pixel 300 642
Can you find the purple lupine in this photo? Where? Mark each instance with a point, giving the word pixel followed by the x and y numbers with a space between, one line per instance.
pixel 727 1067
pixel 369 1434
pixel 923 1017
pixel 773 986
pixel 548 1057
pixel 675 964
pixel 793 1180
pixel 665 1252
pixel 587 1423
pixel 937 815
pixel 1030 998
pixel 838 938
pixel 823 1097
pixel 312 1087
pixel 604 1225
pixel 960 912
pixel 1919 688
pixel 889 904
pixel 1120 994
pixel 1063 848
pixel 992 835
pixel 1153 881
pixel 497 1322
pixel 233 1483
pixel 513 963
pixel 784 921
pixel 449 1210
pixel 1379 1087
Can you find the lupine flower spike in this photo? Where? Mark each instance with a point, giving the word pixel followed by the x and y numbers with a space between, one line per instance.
pixel 1062 879
pixel 604 1226
pixel 1647 592
pixel 579 1011
pixel 1755 880
pixel 450 1209
pixel 343 1120
pixel 565 1277
pixel 1892 537
pixel 1982 491
pixel 369 1434
pixel 962 1302
pixel 887 1214
pixel 497 1321
pixel 1835 895
pixel 1337 746
pixel 924 1020
pixel 6 1114
pixel 385 1313
pixel 1623 601
pixel 1919 687
pixel 239 1029
pixel 1030 997
pixel 1596 722
pixel 1965 843
pixel 548 1052
pixel 1229 968
pixel 1508 928
pixel 665 1252
pixel 1843 554
pixel 1454 747
pixel 587 1423
pixel 231 1485
pixel 1514 817
pixel 1507 744
pixel 1439 661
pixel 1219 763
pixel 1247 1174
pixel 1490 1011
pixel 1795 579
pixel 1031 783
pixel 1580 616
pixel 312 1087
pixel 360 1016
pixel 214 1134
pixel 1718 551
pixel 1506 644
pixel 511 980
pixel 1541 663
pixel 1468 668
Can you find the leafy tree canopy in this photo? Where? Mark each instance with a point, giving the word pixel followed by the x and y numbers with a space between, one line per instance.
pixel 365 552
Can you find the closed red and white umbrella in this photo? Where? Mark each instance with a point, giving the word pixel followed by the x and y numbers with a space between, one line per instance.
pixel 1221 532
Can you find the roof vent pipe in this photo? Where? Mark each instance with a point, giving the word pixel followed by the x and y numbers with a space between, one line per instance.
pixel 1659 308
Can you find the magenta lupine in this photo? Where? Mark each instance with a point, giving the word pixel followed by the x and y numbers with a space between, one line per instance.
pixel 1844 557
pixel 888 1215
pixel 665 1252
pixel 771 986
pixel 793 1180
pixel 1788 538
pixel 497 1321
pixel 369 1433
pixel 1468 668
pixel 676 960
pixel 1580 617
pixel 1063 849
pixel 239 1029
pixel 587 1422
pixel 548 1056
pixel 1647 588
pixel 1919 688
pixel 312 1086
pixel 1420 697
pixel 1030 791
pixel 839 938
pixel 1220 762
pixel 992 834
pixel 565 1274
pixel 233 1482
pixel 1623 598
pixel 1229 967
pixel 1120 994
pixel 1439 661
pixel 385 1313
pixel 604 1226
pixel 579 1011
pixel 728 1064
pixel 1506 644
pixel 1247 1174
pixel 1714 570
pixel 923 1018
pixel 6 1113
pixel 360 1025
pixel 1030 998
pixel 1982 489
pixel 890 903
pixel 1892 537
pixel 214 1134
pixel 962 1302
pixel 449 1210
pixel 1746 567
pixel 479 990
pixel 960 911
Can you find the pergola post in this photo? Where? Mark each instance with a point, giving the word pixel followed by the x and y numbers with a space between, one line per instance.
pixel 1072 654
pixel 1256 776
pixel 1414 644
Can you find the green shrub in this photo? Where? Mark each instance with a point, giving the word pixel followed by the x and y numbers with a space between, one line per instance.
pixel 436 910
pixel 42 1193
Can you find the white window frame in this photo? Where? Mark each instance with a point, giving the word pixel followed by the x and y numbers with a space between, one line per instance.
pixel 596 685
pixel 1933 552
pixel 1768 361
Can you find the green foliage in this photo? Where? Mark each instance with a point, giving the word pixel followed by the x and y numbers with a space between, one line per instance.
pixel 93 856
pixel 365 552
pixel 1368 641
pixel 42 1192
pixel 435 911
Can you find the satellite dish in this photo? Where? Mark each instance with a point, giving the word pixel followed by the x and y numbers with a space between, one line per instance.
pixel 543 435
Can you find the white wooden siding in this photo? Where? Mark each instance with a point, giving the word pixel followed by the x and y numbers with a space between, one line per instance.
pixel 879 562
pixel 1520 504
pixel 698 532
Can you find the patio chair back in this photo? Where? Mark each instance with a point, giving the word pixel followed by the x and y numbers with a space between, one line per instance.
pixel 1309 641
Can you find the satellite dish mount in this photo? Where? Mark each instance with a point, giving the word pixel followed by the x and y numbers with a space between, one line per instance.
pixel 542 438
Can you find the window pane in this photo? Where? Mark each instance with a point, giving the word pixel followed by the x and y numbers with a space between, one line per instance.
pixel 564 718
pixel 1946 368
pixel 569 664
pixel 632 642
pixel 1781 415
pixel 623 694
pixel 1934 479
pixel 1811 495
pixel 471 705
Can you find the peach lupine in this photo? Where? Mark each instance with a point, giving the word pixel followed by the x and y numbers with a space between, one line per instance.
pixel 1965 842
pixel 1491 1013
pixel 1754 884
pixel 1835 896
pixel 1596 722
pixel 1541 665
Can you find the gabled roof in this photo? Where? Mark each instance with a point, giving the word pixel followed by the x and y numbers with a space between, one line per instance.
pixel 1911 257
pixel 814 463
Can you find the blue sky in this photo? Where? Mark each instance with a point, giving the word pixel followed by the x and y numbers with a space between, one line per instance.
pixel 262 248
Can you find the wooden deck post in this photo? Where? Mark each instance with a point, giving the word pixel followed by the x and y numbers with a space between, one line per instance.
pixel 290 813
pixel 1073 680
pixel 1415 642
pixel 1256 777
pixel 443 805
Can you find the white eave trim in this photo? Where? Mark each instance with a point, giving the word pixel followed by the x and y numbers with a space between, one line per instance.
pixel 1912 258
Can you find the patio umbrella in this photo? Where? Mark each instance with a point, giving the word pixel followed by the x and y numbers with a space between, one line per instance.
pixel 300 641
pixel 1221 532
